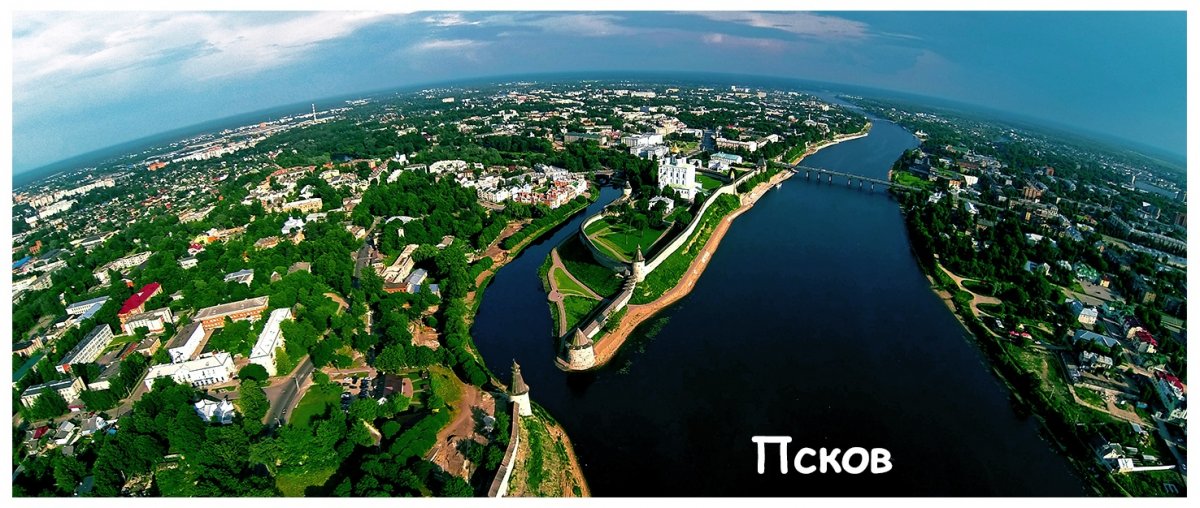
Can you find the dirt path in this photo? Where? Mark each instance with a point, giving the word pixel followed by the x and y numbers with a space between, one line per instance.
pixel 445 453
pixel 976 298
pixel 637 314
pixel 557 263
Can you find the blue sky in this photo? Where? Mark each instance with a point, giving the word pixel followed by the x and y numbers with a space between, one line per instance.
pixel 84 81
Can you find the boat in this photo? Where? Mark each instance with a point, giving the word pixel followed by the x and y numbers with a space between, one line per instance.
pixel 778 185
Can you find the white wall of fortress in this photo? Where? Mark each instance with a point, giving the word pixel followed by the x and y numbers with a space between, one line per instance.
pixel 684 235
pixel 679 240
pixel 500 484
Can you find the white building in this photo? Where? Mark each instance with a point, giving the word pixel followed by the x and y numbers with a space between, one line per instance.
pixel 88 349
pixel 209 369
pixel 678 174
pixel 240 277
pixel 1086 315
pixel 638 140
pixel 270 340
pixel 212 411
pixel 69 389
pixel 445 166
pixel 668 203
pixel 186 343
pixel 1173 394
pixel 721 161
pixel 153 320
pixel 120 265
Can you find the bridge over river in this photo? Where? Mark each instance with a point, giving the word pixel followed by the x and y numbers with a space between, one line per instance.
pixel 830 175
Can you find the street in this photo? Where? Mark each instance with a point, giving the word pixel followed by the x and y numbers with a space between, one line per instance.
pixel 285 393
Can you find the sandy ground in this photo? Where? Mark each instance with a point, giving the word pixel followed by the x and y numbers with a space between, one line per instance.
pixel 445 453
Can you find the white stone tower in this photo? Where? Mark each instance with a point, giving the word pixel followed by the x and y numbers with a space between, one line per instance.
pixel 518 392
pixel 580 353
pixel 639 265
pixel 628 190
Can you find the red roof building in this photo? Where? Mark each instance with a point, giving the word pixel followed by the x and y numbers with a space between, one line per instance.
pixel 137 303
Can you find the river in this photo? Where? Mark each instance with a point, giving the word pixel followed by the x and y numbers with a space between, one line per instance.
pixel 813 321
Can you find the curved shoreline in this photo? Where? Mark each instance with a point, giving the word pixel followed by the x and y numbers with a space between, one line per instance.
pixel 606 349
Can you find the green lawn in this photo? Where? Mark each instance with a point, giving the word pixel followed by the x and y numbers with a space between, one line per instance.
pixel 708 182
pixel 578 260
pixel 979 287
pixel 1090 396
pixel 445 385
pixel 578 308
pixel 675 266
pixel 566 285
pixel 318 400
pixel 620 241
pixel 909 179
pixel 294 484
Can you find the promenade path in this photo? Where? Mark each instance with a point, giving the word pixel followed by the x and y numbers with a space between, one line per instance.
pixel 557 296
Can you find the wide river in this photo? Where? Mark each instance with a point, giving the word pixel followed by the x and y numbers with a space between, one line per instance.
pixel 813 321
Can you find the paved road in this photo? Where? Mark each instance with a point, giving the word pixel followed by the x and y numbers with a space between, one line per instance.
pixel 284 394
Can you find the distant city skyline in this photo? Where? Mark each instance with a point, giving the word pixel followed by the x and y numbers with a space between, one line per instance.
pixel 86 81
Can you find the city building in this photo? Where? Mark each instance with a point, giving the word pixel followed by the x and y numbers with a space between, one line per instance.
pixel 120 265
pixel 154 321
pixel 136 304
pixel 1084 314
pixel 186 344
pixel 303 205
pixel 270 340
pixel 214 317
pixel 212 411
pixel 721 161
pixel 87 308
pixel 1173 395
pixel 241 277
pixel 88 349
pixel 208 369
pixel 678 174
pixel 69 389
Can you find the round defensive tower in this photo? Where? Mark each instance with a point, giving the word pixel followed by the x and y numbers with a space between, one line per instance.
pixel 518 392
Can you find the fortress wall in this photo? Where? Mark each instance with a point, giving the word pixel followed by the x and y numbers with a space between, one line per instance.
pixel 683 236
pixel 500 483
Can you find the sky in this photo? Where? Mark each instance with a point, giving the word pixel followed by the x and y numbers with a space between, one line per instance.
pixel 88 80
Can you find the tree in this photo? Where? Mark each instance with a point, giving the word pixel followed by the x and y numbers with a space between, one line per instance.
pixel 48 405
pixel 254 372
pixel 161 356
pixel 364 409
pixel 253 403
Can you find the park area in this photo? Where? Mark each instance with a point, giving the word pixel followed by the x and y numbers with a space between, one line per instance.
pixel 708 183
pixel 620 241
pixel 911 180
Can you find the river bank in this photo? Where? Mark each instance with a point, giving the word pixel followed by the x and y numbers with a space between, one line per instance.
pixel 575 482
pixel 635 315
pixel 1026 398
pixel 866 130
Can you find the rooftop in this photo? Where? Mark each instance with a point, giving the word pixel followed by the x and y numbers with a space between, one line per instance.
pixel 139 298
pixel 230 308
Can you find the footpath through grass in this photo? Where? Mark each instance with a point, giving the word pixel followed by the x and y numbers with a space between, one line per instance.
pixel 566 285
pixel 578 260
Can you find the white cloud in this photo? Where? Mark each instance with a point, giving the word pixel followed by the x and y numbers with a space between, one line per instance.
pixel 799 23
pixel 449 19
pixel 447 45
pixel 58 48
pixel 581 25
pixel 733 41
